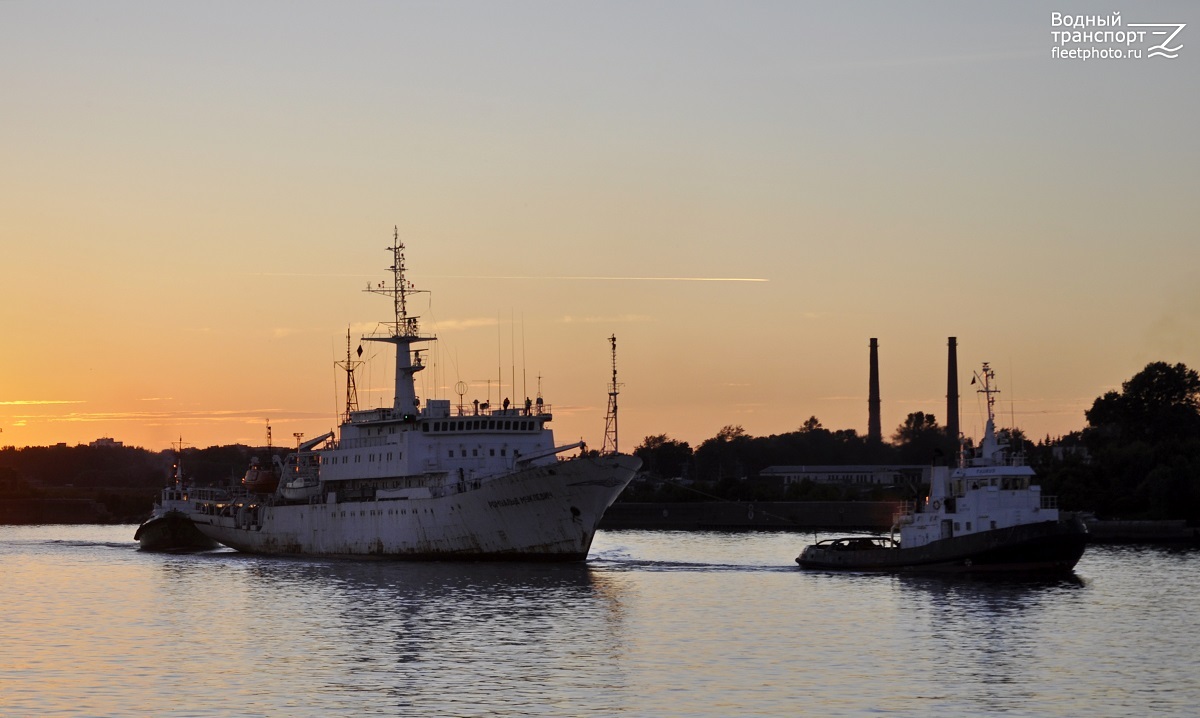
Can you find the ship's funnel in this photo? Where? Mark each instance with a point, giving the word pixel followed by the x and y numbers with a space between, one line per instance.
pixel 952 390
pixel 874 432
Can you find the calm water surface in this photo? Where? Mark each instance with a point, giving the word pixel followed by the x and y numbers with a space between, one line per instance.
pixel 654 624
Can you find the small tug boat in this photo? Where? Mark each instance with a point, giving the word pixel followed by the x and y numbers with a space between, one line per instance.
pixel 984 516
pixel 169 528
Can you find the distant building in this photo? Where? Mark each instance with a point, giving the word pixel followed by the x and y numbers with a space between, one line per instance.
pixel 859 475
pixel 105 441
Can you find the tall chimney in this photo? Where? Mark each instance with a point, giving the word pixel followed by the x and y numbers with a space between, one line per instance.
pixel 874 433
pixel 952 390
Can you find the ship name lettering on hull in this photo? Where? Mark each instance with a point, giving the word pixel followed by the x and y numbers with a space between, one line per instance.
pixel 529 499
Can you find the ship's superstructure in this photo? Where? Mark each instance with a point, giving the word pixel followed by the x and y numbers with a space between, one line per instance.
pixel 420 480
pixel 991 490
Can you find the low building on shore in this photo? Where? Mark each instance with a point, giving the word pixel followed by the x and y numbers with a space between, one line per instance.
pixel 852 475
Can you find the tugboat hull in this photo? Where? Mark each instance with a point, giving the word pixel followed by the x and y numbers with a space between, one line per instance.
pixel 1046 547
pixel 172 531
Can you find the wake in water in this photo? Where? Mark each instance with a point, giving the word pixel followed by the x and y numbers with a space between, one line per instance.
pixel 620 561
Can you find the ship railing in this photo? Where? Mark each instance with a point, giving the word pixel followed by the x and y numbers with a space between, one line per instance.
pixel 1049 502
pixel 512 411
pixel 904 514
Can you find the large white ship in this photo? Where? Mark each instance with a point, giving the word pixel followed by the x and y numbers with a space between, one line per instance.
pixel 423 480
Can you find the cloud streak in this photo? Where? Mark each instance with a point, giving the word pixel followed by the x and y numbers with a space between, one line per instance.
pixel 623 319
pixel 607 279
pixel 526 278
pixel 450 325
pixel 154 417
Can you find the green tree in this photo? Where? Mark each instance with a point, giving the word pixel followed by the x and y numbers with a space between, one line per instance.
pixel 1145 446
pixel 663 456
pixel 1160 402
pixel 921 441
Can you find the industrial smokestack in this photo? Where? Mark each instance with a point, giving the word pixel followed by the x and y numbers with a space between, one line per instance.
pixel 952 390
pixel 874 433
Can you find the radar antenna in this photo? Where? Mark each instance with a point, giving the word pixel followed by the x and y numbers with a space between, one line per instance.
pixel 610 419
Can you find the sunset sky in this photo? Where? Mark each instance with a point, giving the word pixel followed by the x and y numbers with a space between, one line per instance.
pixel 193 196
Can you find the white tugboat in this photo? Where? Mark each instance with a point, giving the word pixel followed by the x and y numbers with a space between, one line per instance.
pixel 169 528
pixel 986 515
pixel 425 481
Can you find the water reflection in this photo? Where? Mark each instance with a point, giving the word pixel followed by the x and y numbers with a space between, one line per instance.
pixel 421 638
pixel 657 624
pixel 991 633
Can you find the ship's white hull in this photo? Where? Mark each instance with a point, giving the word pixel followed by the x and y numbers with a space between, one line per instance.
pixel 545 512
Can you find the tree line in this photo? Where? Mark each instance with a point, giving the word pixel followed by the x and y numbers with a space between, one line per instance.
pixel 125 480
pixel 1137 457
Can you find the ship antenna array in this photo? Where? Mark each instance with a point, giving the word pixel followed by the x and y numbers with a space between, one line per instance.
pixel 351 388
pixel 403 325
pixel 610 419
pixel 986 379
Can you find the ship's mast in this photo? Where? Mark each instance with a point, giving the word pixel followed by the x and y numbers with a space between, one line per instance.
pixel 351 388
pixel 610 419
pixel 178 446
pixel 989 447
pixel 401 331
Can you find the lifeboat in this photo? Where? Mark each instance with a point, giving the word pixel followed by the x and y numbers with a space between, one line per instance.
pixel 260 480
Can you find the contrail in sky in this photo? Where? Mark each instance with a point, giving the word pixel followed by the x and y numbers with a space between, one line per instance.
pixel 617 279
pixel 540 277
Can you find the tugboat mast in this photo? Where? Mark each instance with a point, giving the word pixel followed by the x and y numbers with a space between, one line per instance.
pixel 402 331
pixel 990 451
